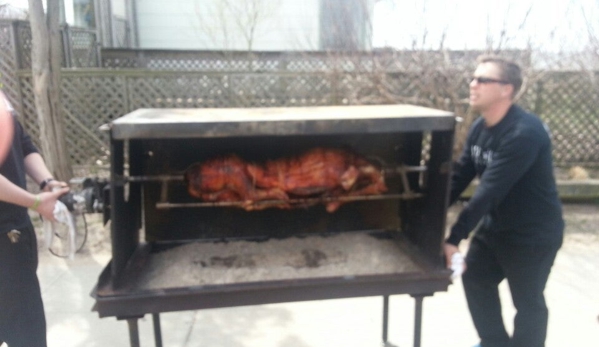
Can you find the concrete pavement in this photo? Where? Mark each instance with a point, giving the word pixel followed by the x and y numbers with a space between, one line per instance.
pixel 572 295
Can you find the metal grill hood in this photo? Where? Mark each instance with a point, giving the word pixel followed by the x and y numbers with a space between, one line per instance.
pixel 197 123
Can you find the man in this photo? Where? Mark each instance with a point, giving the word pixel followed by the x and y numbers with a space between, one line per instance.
pixel 516 203
pixel 22 320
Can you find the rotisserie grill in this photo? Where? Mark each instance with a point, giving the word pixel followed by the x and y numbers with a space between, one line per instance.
pixel 227 207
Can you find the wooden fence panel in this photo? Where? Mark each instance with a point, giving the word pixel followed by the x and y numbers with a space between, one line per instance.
pixel 9 64
pixel 567 101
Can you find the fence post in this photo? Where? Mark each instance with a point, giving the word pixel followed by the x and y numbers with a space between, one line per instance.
pixel 141 59
pixel 17 49
pixel 283 81
pixel 67 46
pixel 539 99
pixel 98 49
pixel 335 84
pixel 128 93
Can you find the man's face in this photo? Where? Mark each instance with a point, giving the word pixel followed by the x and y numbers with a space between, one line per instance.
pixel 487 88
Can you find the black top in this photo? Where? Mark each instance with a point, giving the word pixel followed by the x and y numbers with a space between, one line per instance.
pixel 517 194
pixel 14 216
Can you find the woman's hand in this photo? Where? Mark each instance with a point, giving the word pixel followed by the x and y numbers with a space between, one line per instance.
pixel 48 202
pixel 52 185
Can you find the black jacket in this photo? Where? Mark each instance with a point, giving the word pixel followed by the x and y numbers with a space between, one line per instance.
pixel 517 194
pixel 13 168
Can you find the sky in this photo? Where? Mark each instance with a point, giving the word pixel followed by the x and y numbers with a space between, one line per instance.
pixel 17 3
pixel 467 24
pixel 550 25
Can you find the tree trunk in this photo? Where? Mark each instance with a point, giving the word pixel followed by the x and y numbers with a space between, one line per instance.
pixel 46 57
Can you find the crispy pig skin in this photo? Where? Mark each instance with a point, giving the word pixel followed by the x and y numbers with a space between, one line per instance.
pixel 319 172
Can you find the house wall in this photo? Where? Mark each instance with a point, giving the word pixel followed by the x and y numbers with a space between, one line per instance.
pixel 346 25
pixel 225 24
pixel 119 8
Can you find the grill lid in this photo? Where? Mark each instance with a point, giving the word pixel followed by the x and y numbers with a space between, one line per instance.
pixel 223 122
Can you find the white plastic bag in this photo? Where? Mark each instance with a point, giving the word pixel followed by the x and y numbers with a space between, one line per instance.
pixel 457 265
pixel 63 216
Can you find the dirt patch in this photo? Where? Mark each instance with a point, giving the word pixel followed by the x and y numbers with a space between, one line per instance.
pixel 574 172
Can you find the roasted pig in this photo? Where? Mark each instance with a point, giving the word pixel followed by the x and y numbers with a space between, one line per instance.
pixel 319 172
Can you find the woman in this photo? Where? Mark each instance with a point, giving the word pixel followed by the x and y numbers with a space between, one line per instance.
pixel 6 128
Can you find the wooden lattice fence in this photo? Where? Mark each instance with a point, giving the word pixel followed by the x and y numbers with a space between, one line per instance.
pixel 9 62
pixel 80 46
pixel 569 104
pixel 91 98
pixel 131 79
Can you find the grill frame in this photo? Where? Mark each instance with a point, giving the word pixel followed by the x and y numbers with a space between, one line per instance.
pixel 423 221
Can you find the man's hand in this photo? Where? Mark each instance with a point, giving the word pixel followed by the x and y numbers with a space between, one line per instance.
pixel 449 250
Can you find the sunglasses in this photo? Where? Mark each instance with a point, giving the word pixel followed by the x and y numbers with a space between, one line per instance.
pixel 485 80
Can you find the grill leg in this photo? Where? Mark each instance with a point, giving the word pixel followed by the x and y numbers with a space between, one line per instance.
pixel 157 330
pixel 133 332
pixel 418 320
pixel 385 318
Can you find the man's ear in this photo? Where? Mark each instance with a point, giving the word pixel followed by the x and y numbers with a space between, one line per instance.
pixel 507 90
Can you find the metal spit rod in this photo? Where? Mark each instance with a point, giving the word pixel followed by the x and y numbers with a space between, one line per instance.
pixel 387 171
pixel 401 170
pixel 306 201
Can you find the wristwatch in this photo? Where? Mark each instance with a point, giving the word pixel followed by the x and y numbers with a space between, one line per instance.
pixel 45 182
